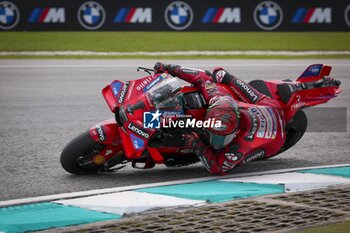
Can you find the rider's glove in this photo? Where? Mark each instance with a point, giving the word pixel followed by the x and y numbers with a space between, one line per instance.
pixel 160 68
pixel 174 70
pixel 192 140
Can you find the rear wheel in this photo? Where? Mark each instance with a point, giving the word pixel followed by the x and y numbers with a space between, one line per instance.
pixel 77 156
pixel 295 130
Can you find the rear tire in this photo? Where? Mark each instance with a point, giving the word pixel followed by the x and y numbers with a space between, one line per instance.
pixel 80 147
pixel 295 130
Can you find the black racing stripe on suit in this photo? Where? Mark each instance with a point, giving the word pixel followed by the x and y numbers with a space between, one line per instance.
pixel 227 78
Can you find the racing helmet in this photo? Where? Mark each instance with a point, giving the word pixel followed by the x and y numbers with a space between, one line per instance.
pixel 225 110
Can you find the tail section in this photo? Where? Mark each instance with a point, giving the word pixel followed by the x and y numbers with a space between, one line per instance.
pixel 315 86
pixel 314 72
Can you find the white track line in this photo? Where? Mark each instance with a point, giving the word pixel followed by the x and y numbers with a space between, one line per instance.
pixel 128 202
pixel 173 53
pixel 133 187
pixel 294 181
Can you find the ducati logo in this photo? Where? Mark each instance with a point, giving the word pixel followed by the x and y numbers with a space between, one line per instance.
pixel 101 133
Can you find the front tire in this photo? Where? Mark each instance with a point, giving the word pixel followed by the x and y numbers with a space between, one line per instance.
pixel 81 148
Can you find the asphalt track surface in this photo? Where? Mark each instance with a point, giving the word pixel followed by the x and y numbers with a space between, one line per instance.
pixel 46 103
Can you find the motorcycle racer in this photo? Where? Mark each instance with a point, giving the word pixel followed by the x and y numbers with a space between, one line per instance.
pixel 251 128
pixel 222 121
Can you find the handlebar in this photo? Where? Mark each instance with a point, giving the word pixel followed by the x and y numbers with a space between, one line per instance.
pixel 147 70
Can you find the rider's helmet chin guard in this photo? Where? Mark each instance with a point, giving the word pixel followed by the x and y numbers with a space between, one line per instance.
pixel 226 112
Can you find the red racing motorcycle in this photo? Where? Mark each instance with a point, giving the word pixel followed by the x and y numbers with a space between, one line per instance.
pixel 146 132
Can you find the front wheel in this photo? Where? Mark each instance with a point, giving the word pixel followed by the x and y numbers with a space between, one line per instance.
pixel 77 156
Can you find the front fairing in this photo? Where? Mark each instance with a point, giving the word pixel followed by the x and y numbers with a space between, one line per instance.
pixel 147 95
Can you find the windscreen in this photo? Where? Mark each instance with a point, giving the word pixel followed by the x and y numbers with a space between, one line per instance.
pixel 165 94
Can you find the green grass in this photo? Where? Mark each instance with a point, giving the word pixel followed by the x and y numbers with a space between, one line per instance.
pixel 334 228
pixel 173 41
pixel 181 57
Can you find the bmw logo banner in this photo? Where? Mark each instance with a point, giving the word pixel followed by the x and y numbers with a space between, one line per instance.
pixel 91 15
pixel 178 15
pixel 175 15
pixel 9 15
pixel 268 15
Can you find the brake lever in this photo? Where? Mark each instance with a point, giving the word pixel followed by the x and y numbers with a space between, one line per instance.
pixel 147 70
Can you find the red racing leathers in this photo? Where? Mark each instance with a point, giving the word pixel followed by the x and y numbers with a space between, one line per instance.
pixel 261 122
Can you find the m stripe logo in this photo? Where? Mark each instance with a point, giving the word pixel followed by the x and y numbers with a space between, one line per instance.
pixel 47 15
pixel 222 15
pixel 312 15
pixel 134 15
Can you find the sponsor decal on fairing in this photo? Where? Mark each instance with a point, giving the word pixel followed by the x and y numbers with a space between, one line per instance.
pixel 138 130
pixel 116 86
pixel 137 142
pixel 144 83
pixel 312 71
pixel 154 82
pixel 101 133
pixel 123 92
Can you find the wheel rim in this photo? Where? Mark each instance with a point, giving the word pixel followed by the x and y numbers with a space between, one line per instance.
pixel 85 161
